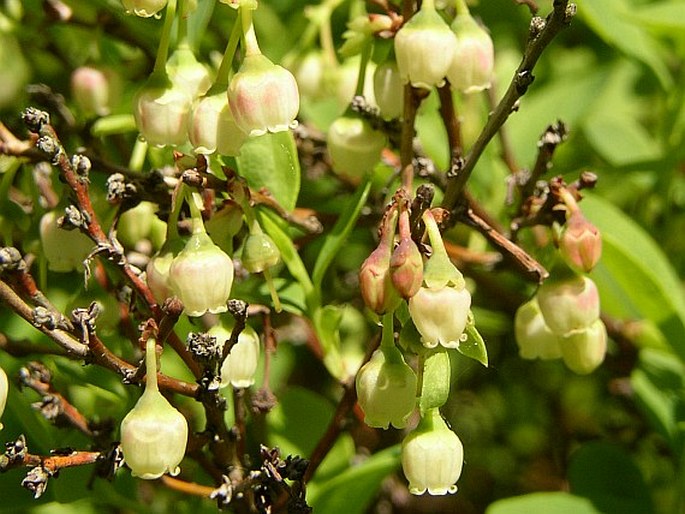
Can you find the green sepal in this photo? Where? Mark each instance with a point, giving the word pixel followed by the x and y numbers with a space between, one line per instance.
pixel 474 346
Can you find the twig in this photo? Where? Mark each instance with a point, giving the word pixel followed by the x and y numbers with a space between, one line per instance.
pixel 542 32
pixel 187 487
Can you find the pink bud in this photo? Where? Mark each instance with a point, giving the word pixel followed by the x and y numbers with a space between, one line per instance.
pixel 406 263
pixel 580 242
pixel 375 283
pixel 93 90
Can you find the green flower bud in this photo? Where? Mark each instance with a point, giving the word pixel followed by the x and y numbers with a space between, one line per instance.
pixel 386 389
pixel 4 389
pixel 201 276
pixel 584 350
pixel 144 8
pixel 432 456
pixel 425 48
pixel 94 90
pixel 136 224
pixel 263 96
pixel 354 146
pixel 534 338
pixel 388 89
pixel 187 73
pixel 259 252
pixel 240 365
pixel 153 434
pixel 568 302
pixel 65 250
pixel 213 129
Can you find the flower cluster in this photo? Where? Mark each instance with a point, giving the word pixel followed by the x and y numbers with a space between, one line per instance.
pixel 439 304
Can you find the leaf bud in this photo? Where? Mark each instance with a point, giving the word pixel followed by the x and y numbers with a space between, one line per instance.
pixel 432 456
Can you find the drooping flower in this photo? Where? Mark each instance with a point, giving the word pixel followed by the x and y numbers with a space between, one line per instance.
pixel 386 389
pixel 153 434
pixel 568 301
pixel 425 48
pixel 432 456
pixel 472 67
pixel 65 250
pixel 144 8
pixel 580 242
pixel 213 129
pixel 534 338
pixel 355 147
pixel 388 90
pixel 162 114
pixel 240 365
pixel 4 389
pixel 441 306
pixel 584 350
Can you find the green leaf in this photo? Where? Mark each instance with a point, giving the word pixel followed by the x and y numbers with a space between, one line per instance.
pixel 351 491
pixel 606 475
pixel 270 161
pixel 474 346
pixel 634 277
pixel 666 16
pixel 435 388
pixel 327 323
pixel 659 387
pixel 610 19
pixel 271 224
pixel 543 503
pixel 296 424
pixel 337 237
pixel 620 139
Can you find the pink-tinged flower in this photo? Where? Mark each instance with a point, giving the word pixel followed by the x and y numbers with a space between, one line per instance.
pixel 4 389
pixel 144 8
pixel 201 276
pixel 386 389
pixel 580 242
pixel 584 350
pixel 432 457
pixel 440 308
pixel 534 338
pixel 425 48
pixel 162 114
pixel 354 146
pixel 263 96
pixel 568 302
pixel 213 129
pixel 471 68
pixel 153 434
pixel 94 90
